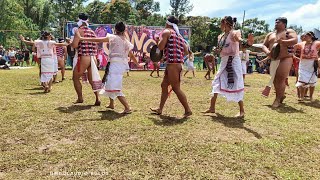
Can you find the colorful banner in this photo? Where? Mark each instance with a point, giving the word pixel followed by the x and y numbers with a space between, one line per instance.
pixel 142 37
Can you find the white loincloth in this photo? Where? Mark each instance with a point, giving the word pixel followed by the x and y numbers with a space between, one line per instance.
pixel 273 71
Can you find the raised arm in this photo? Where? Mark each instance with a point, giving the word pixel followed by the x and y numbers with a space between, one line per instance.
pixel 25 41
pixel 61 44
pixel 104 39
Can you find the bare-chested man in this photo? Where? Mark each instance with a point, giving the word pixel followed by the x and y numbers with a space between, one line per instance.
pixel 286 38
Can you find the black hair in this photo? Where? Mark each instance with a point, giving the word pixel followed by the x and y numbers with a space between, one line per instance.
pixel 173 19
pixel 312 35
pixel 83 16
pixel 60 40
pixel 120 27
pixel 231 21
pixel 44 35
pixel 283 20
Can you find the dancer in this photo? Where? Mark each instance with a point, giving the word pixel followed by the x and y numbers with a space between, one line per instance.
pixel 45 48
pixel 281 65
pixel 156 67
pixel 174 48
pixel 228 81
pixel 309 64
pixel 244 55
pixel 119 49
pixel 85 60
pixel 61 54
pixel 209 61
pixel 190 63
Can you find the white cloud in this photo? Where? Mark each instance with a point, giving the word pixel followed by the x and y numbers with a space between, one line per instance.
pixel 308 16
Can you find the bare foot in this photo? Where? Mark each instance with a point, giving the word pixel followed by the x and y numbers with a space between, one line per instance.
pixel 79 101
pixel 187 114
pixel 110 107
pixel 209 111
pixel 97 103
pixel 275 104
pixel 126 111
pixel 266 91
pixel 240 115
pixel 156 111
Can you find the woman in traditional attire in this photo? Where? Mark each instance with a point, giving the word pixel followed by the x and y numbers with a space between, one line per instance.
pixel 190 66
pixel 228 81
pixel 45 48
pixel 309 64
pixel 119 49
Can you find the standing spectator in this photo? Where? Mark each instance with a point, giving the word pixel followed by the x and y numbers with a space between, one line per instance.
pixel 12 56
pixel 71 53
pixel 2 52
pixel 20 57
pixel 26 54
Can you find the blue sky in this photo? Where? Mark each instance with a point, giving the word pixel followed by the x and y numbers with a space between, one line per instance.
pixel 300 12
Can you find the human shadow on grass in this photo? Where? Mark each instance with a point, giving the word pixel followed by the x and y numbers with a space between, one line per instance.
pixel 74 108
pixel 315 104
pixel 233 122
pixel 38 93
pixel 111 115
pixel 36 88
pixel 284 108
pixel 167 120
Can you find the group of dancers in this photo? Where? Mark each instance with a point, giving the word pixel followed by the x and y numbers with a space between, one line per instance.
pixel 228 81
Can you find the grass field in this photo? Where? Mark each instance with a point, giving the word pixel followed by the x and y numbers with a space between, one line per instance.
pixel 45 136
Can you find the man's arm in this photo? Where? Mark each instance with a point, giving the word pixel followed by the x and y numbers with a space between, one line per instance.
pixel 266 44
pixel 164 39
pixel 293 39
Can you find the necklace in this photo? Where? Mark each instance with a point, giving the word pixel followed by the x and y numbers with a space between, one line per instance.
pixel 222 41
pixel 307 48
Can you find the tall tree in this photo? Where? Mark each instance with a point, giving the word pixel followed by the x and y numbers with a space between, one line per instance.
pixel 255 26
pixel 145 8
pixel 199 25
pixel 94 10
pixel 117 10
pixel 13 22
pixel 66 10
pixel 180 7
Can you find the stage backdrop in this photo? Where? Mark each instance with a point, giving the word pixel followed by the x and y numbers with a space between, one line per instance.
pixel 142 37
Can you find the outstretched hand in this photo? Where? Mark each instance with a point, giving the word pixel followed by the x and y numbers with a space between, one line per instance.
pixel 21 38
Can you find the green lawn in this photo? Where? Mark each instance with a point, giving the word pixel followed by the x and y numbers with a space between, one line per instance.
pixel 43 134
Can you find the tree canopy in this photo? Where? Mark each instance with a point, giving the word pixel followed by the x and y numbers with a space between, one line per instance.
pixel 31 16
